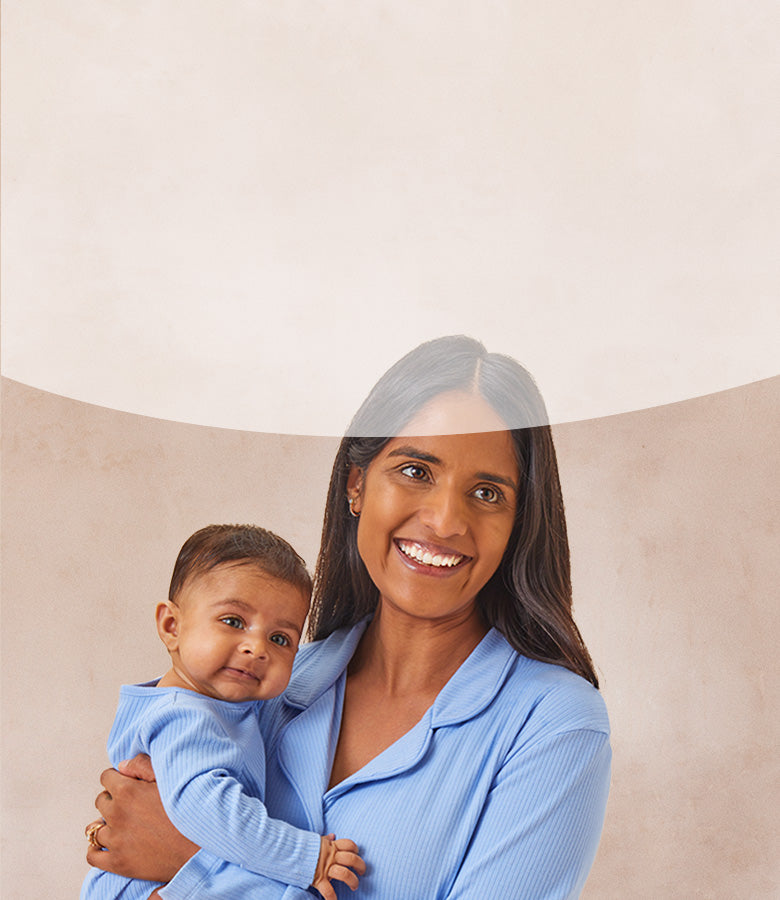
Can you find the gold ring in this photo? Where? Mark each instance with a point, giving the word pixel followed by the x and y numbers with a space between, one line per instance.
pixel 91 832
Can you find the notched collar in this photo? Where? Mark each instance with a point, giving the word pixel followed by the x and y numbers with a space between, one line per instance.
pixel 473 686
pixel 319 665
pixel 476 682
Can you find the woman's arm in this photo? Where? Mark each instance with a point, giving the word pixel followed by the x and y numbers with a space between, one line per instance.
pixel 540 827
pixel 139 838
pixel 142 843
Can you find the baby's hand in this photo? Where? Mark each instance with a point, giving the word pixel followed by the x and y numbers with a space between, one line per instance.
pixel 337 860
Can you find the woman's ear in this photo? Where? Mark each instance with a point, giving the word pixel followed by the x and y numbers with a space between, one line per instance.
pixel 355 490
pixel 167 616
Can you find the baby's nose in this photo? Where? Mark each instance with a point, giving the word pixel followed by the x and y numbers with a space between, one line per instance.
pixel 254 645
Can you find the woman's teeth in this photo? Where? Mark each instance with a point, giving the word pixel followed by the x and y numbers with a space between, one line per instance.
pixel 418 554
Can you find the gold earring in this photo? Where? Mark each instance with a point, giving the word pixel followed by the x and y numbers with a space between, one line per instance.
pixel 352 512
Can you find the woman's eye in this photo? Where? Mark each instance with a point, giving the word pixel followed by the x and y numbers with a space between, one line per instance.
pixel 488 494
pixel 416 473
pixel 281 639
pixel 232 621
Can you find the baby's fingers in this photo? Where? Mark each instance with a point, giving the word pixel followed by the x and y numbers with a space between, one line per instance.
pixel 326 889
pixel 345 844
pixel 341 873
pixel 347 859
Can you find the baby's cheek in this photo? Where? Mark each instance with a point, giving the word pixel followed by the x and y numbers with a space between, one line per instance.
pixel 285 676
pixel 276 680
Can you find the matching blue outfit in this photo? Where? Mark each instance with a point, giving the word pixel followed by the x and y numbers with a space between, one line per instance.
pixel 499 791
pixel 209 760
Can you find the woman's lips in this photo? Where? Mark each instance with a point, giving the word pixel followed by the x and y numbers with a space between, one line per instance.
pixel 433 557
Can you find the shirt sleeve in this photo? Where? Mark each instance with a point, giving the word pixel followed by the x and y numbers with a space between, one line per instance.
pixel 206 877
pixel 100 885
pixel 196 765
pixel 540 827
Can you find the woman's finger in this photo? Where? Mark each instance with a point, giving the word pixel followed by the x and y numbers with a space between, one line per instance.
pixel 139 767
pixel 91 832
pixel 102 802
pixel 98 856
pixel 105 776
pixel 114 782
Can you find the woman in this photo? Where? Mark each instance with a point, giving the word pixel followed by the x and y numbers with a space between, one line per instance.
pixel 446 714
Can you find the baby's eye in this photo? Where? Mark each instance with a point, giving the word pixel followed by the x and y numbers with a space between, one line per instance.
pixel 488 494
pixel 281 639
pixel 232 621
pixel 415 472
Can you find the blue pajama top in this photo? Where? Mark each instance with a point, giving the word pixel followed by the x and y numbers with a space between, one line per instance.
pixel 498 792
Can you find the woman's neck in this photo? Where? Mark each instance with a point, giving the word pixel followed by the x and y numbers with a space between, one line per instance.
pixel 396 673
pixel 408 656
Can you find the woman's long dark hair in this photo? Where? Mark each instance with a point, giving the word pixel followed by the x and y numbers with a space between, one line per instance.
pixel 528 599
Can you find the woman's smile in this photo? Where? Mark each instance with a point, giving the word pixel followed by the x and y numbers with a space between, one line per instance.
pixel 425 556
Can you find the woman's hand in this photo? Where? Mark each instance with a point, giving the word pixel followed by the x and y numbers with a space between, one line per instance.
pixel 138 837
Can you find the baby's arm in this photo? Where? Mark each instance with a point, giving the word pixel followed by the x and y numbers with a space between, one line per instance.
pixel 197 765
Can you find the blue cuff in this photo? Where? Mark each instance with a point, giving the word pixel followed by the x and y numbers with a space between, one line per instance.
pixel 190 876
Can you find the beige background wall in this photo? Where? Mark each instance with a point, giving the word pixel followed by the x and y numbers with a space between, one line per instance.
pixel 673 520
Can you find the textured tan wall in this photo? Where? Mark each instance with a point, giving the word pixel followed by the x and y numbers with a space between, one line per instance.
pixel 673 521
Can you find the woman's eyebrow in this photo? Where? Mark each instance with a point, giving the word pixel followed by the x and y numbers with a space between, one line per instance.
pixel 408 450
pixel 499 479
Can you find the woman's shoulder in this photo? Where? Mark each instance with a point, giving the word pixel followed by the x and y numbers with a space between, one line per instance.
pixel 513 693
pixel 558 698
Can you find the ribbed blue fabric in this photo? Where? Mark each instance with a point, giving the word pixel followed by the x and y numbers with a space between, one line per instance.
pixel 209 760
pixel 499 792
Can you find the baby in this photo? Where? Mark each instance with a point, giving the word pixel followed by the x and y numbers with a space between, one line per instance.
pixel 238 599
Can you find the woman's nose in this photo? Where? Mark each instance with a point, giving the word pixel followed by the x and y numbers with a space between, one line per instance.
pixel 445 512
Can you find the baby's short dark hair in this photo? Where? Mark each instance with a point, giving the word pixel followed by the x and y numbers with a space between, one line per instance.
pixel 242 545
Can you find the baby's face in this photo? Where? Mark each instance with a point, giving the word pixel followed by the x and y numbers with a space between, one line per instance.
pixel 238 632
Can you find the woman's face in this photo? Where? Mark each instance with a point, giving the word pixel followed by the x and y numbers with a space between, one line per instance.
pixel 437 506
